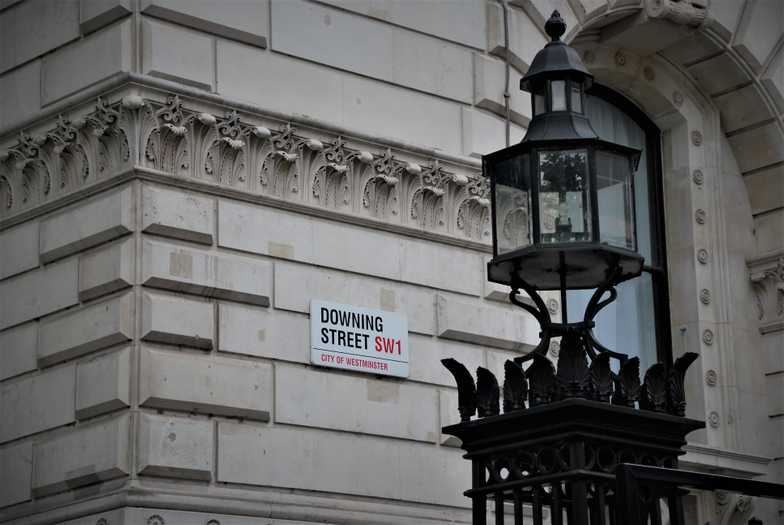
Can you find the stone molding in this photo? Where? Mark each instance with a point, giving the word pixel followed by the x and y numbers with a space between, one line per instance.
pixel 250 154
pixel 767 277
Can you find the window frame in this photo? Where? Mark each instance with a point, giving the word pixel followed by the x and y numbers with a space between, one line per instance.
pixel 657 267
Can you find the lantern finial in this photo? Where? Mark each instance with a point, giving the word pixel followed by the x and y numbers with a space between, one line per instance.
pixel 555 27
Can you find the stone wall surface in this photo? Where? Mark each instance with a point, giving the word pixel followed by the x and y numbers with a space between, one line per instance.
pixel 178 179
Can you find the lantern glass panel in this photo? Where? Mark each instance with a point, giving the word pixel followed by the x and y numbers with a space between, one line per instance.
pixel 564 198
pixel 577 99
pixel 512 192
pixel 614 174
pixel 558 91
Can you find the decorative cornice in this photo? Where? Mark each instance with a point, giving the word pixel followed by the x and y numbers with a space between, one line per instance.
pixel 251 154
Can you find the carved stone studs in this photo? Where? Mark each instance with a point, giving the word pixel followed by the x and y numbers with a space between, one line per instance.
pixel 702 256
pixel 589 57
pixel 714 419
pixel 696 137
pixel 699 216
pixel 711 378
pixel 705 296
pixel 677 98
pixel 620 59
pixel 698 177
pixel 707 337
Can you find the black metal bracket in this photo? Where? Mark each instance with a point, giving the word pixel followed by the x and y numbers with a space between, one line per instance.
pixel 581 332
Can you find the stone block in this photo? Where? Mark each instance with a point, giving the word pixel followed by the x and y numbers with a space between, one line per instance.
pixel 32 28
pixel 484 133
pixel 426 354
pixel 177 214
pixel 17 350
pixel 95 14
pixel 86 455
pixel 66 71
pixel 20 91
pixel 296 237
pixel 260 332
pixel 103 384
pixel 297 284
pixel 19 246
pixel 742 108
pixel 38 292
pixel 208 274
pixel 758 147
pixel 449 415
pixel 388 53
pixel 772 79
pixel 461 21
pixel 723 17
pixel 479 323
pixel 337 462
pixel 176 320
pixel 175 447
pixel 16 472
pixel 692 49
pixel 307 397
pixel 205 385
pixel 719 73
pixel 235 19
pixel 775 384
pixel 176 54
pixel 525 39
pixel 765 189
pixel 769 229
pixel 87 224
pixel 759 32
pixel 312 91
pixel 489 82
pixel 79 332
pixel 37 403
pixel 106 270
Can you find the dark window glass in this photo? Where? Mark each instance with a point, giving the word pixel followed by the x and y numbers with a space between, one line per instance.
pixel 637 323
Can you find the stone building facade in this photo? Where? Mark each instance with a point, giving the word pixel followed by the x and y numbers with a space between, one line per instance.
pixel 178 179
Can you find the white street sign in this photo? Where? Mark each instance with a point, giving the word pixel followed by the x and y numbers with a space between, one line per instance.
pixel 359 339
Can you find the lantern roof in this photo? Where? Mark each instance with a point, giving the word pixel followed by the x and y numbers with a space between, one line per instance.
pixel 556 58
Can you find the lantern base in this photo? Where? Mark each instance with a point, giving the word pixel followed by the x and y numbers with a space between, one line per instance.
pixel 572 266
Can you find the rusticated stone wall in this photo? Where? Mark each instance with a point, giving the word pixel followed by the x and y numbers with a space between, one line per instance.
pixel 178 179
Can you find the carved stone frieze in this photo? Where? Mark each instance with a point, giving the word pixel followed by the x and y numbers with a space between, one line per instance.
pixel 70 155
pixel 767 278
pixel 248 153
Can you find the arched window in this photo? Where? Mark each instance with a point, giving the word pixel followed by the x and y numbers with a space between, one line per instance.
pixel 638 322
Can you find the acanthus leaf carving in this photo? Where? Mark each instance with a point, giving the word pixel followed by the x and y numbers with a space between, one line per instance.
pixel 319 170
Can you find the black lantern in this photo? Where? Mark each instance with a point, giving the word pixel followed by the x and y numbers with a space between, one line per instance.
pixel 563 199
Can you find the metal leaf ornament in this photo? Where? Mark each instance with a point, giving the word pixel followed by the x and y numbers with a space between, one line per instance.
pixel 600 378
pixel 654 389
pixel 541 381
pixel 572 367
pixel 515 386
pixel 675 383
pixel 627 383
pixel 487 394
pixel 466 390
